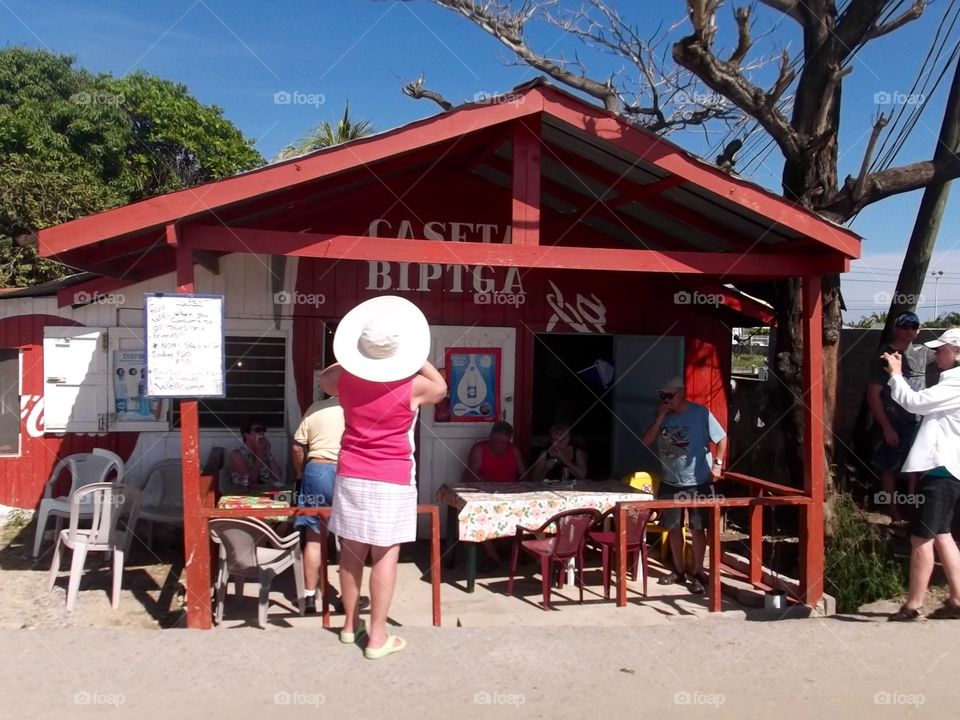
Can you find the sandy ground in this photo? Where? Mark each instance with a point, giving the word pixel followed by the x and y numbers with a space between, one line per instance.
pixel 696 668
pixel 494 657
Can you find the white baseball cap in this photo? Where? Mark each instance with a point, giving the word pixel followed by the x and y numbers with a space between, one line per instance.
pixel 950 337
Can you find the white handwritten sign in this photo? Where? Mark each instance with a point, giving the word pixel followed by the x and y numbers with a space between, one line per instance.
pixel 184 345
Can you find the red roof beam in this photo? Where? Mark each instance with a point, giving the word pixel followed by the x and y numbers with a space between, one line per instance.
pixel 357 247
pixel 525 209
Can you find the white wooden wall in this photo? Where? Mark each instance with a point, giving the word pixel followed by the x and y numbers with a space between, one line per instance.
pixel 248 287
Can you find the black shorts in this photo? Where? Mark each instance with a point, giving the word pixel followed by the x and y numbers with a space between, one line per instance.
pixel 889 458
pixel 673 518
pixel 936 500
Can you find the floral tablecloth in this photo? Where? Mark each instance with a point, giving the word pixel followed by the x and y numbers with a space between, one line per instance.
pixel 273 499
pixel 493 510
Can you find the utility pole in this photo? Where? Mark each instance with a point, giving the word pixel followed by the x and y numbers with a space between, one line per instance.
pixel 936 292
pixel 925 228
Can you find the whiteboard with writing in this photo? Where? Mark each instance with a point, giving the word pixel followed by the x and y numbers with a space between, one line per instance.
pixel 184 345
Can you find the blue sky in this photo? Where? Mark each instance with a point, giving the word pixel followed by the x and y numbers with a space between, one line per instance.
pixel 240 54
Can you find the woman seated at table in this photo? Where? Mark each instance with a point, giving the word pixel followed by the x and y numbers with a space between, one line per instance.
pixel 561 460
pixel 495 459
pixel 252 464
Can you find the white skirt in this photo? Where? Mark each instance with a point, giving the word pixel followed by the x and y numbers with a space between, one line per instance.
pixel 373 512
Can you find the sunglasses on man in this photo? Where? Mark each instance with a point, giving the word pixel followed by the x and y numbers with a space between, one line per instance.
pixel 259 430
pixel 667 395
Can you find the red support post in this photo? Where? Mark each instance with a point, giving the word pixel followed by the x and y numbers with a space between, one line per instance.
pixel 435 569
pixel 324 575
pixel 196 541
pixel 812 547
pixel 525 213
pixel 716 554
pixel 621 555
pixel 756 539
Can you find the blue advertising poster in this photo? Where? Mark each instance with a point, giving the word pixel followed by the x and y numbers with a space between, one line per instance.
pixel 473 378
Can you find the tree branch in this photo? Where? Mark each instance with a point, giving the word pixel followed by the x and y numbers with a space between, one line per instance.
pixel 787 7
pixel 892 181
pixel 693 52
pixel 868 156
pixel 506 25
pixel 744 43
pixel 417 91
pixel 915 11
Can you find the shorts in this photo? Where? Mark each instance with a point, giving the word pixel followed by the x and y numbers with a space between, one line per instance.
pixel 319 481
pixel 935 502
pixel 673 518
pixel 890 459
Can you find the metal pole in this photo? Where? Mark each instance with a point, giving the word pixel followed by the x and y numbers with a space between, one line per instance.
pixel 936 293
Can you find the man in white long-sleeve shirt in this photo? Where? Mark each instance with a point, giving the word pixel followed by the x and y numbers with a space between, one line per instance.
pixel 936 453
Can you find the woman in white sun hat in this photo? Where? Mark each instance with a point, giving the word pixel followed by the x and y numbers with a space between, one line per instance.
pixel 936 453
pixel 382 377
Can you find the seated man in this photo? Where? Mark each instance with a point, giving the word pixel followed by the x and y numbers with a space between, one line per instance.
pixel 495 459
pixel 252 464
pixel 562 460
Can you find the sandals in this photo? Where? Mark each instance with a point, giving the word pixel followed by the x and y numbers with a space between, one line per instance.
pixel 348 638
pixel 948 611
pixel 392 645
pixel 905 614
pixel 698 583
pixel 674 578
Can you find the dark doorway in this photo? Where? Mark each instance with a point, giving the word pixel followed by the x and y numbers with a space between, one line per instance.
pixel 568 389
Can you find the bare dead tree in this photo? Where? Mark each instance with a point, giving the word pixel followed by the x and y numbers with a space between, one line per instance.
pixel 799 110
pixel 651 93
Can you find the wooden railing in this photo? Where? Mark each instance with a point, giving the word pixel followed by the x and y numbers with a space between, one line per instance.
pixel 778 495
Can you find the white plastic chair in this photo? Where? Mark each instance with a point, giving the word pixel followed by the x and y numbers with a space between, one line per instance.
pixel 163 496
pixel 113 510
pixel 85 469
pixel 251 550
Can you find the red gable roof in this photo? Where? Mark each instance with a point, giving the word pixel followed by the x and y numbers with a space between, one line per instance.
pixel 661 195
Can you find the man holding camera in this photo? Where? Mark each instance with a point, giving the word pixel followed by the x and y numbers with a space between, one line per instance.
pixel 936 454
pixel 894 426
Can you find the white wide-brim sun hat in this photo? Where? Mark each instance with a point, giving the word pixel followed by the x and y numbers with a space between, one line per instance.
pixel 383 339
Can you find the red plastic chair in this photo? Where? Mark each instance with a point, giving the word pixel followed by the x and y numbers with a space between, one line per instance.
pixel 606 541
pixel 566 542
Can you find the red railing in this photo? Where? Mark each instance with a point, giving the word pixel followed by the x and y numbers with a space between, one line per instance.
pixel 208 512
pixel 778 495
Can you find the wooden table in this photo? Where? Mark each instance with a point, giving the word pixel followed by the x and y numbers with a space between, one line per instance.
pixel 485 511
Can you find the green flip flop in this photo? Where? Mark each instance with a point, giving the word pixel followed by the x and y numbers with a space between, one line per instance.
pixel 348 638
pixel 392 645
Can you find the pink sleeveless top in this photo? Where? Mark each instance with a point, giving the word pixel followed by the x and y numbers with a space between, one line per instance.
pixel 377 439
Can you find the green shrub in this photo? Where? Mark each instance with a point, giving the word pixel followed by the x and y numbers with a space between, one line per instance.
pixel 859 566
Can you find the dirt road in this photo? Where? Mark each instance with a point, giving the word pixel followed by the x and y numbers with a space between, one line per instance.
pixel 694 668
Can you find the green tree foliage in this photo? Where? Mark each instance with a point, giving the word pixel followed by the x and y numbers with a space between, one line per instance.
pixel 325 135
pixel 873 320
pixel 73 143
pixel 946 320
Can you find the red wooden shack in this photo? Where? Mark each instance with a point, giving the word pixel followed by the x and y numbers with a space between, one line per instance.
pixel 535 228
